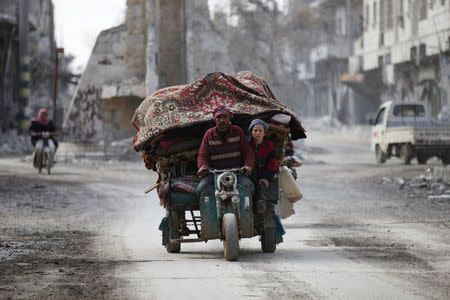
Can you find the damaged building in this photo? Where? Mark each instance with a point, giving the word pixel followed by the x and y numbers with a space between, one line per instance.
pixel 26 61
pixel 358 54
pixel 161 43
pixel 403 52
pixel 327 60
pixel 371 51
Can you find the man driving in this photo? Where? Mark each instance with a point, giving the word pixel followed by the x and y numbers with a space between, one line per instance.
pixel 224 146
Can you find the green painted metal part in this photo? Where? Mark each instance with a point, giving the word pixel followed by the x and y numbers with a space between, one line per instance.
pixel 211 217
pixel 183 201
pixel 246 227
pixel 208 212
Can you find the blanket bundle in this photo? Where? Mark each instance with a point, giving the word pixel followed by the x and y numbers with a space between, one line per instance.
pixel 182 106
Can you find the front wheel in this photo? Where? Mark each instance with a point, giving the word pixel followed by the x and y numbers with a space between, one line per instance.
pixel 49 162
pixel 421 159
pixel 268 243
pixel 231 237
pixel 446 159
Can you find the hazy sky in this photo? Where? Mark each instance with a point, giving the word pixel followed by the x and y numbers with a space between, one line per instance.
pixel 78 23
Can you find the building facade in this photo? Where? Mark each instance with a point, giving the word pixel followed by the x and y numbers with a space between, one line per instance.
pixel 326 61
pixel 162 43
pixel 26 47
pixel 403 52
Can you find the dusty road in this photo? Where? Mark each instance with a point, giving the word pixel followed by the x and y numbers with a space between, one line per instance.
pixel 88 231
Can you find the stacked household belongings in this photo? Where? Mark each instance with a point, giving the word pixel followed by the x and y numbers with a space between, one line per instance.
pixel 171 123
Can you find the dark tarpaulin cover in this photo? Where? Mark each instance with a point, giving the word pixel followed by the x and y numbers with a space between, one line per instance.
pixel 186 105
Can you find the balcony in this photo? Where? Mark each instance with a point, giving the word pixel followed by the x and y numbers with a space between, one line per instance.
pixel 340 48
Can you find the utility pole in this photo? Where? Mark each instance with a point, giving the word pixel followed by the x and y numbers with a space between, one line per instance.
pixel 24 60
pixel 55 80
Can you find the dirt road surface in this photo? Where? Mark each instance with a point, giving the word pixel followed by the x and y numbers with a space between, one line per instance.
pixel 88 231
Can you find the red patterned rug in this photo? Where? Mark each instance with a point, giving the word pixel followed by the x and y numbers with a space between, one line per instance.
pixel 192 104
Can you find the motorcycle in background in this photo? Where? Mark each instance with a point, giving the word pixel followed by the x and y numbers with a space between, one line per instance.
pixel 44 151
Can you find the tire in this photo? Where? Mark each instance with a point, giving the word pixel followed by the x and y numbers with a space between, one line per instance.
pixel 40 164
pixel 268 243
pixel 446 160
pixel 421 159
pixel 231 237
pixel 379 155
pixel 174 232
pixel 406 153
pixel 49 163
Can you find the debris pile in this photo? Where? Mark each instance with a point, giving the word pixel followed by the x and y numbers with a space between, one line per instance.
pixel 434 184
pixel 13 143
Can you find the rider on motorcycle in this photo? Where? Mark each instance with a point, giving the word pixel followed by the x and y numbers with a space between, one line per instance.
pixel 39 125
pixel 224 146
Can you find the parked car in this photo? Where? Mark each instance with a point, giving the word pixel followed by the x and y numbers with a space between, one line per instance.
pixel 407 130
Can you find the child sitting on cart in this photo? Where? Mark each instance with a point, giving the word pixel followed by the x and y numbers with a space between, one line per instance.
pixel 265 162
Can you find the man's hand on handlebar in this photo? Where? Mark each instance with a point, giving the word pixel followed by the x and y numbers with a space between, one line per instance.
pixel 265 182
pixel 202 172
pixel 246 170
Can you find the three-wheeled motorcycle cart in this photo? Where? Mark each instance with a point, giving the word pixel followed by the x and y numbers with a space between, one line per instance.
pixel 171 124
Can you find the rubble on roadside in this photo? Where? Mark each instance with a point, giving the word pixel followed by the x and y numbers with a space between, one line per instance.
pixel 12 143
pixel 434 184
pixel 15 144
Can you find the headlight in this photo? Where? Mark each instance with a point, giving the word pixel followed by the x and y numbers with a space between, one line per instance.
pixel 227 180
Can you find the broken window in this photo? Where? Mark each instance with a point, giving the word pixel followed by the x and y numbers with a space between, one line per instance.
pixel 389 14
pixel 413 52
pixel 400 17
pixel 339 29
pixel 388 59
pixel 367 18
pixel 423 8
pixel 422 50
pixel 374 24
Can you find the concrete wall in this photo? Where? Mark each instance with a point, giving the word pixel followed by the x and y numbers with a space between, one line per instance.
pixel 102 78
pixel 136 38
pixel 8 11
pixel 152 46
pixel 172 43
pixel 40 55
pixel 206 42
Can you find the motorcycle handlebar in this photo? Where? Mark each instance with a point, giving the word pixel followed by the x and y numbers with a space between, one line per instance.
pixel 237 170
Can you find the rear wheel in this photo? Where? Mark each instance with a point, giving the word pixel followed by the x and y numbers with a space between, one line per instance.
pixel 40 164
pixel 268 243
pixel 421 159
pixel 231 237
pixel 174 233
pixel 406 152
pixel 446 159
pixel 379 155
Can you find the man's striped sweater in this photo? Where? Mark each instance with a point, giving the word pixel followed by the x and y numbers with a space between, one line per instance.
pixel 232 152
